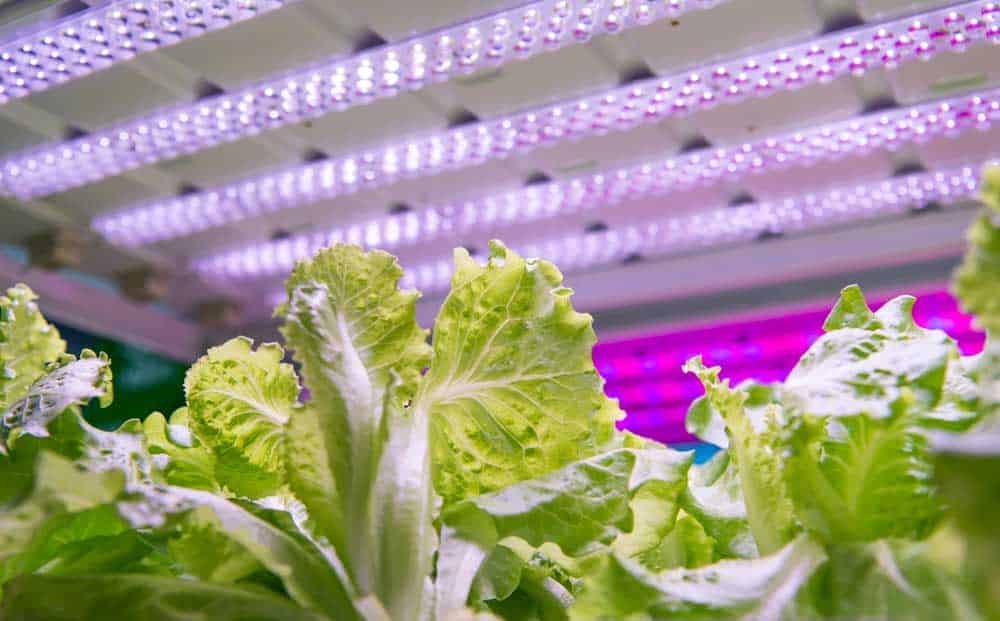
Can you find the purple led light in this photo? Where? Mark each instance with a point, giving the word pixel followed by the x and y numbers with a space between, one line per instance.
pixel 646 102
pixel 518 33
pixel 854 137
pixel 100 37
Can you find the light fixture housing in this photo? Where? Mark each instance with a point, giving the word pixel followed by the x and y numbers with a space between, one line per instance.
pixel 105 35
pixel 335 84
pixel 645 102
pixel 888 130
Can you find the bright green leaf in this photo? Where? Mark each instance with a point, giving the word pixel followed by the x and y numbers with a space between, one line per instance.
pixel 512 392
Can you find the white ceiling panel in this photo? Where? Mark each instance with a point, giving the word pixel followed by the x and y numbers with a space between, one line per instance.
pixel 732 27
pixel 386 17
pixel 563 74
pixel 368 126
pixel 14 137
pixel 280 41
pixel 225 162
pixel 88 201
pixel 104 97
pixel 789 110
pixel 947 74
pixel 874 9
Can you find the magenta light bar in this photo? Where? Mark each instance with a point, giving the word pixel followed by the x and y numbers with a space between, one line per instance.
pixel 650 101
pixel 118 31
pixel 723 225
pixel 855 137
pixel 339 83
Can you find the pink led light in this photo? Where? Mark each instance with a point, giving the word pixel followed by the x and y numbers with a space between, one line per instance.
pixel 649 101
pixel 100 37
pixel 518 33
pixel 887 130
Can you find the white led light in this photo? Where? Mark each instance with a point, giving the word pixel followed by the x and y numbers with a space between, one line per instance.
pixel 885 130
pixel 118 31
pixel 336 84
pixel 647 102
pixel 728 225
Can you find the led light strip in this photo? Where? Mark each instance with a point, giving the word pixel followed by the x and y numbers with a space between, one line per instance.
pixel 727 225
pixel 850 138
pixel 337 84
pixel 100 37
pixel 650 101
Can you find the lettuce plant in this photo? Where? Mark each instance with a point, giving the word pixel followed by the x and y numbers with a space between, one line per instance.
pixel 478 474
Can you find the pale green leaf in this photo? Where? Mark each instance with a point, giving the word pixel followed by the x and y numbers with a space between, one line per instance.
pixel 512 392
pixel 860 479
pixel 762 589
pixel 141 598
pixel 580 508
pixel 190 463
pixel 355 454
pixel 715 499
pixel 866 360
pixel 755 450
pixel 27 344
pixel 59 487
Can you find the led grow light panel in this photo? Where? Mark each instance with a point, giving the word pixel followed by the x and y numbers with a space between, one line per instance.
pixel 647 102
pixel 311 92
pixel 853 138
pixel 106 35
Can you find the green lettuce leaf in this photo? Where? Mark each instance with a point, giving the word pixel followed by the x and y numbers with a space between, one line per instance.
pixel 189 462
pixel 66 384
pixel 27 344
pixel 860 479
pixel 357 455
pixel 763 589
pixel 141 598
pixel 754 447
pixel 59 488
pixel 582 508
pixel 866 360
pixel 239 400
pixel 714 499
pixel 203 551
pixel 512 392
pixel 887 580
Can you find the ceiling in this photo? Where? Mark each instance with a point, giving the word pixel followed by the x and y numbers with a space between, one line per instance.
pixel 309 31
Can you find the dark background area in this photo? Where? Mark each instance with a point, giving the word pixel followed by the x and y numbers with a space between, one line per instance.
pixel 144 382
